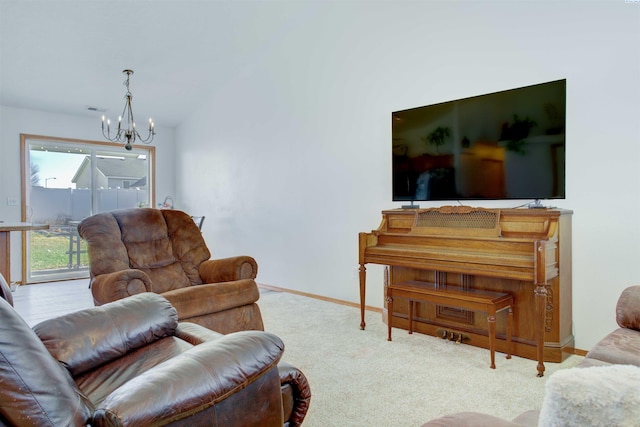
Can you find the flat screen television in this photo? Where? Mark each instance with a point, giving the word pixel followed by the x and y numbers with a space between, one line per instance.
pixel 502 145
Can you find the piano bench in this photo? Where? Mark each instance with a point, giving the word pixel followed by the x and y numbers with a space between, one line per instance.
pixel 453 296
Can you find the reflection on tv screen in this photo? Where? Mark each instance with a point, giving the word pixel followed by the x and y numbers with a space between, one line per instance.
pixel 503 145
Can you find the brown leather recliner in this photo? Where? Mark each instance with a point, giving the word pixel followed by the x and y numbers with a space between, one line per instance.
pixel 131 363
pixel 163 251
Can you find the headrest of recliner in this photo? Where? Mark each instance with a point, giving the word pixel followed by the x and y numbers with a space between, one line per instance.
pixel 89 338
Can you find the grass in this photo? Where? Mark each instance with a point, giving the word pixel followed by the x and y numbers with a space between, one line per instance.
pixel 49 250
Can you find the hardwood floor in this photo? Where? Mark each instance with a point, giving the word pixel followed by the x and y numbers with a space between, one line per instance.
pixel 43 301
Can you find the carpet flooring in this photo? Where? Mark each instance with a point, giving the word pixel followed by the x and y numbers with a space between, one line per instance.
pixel 358 378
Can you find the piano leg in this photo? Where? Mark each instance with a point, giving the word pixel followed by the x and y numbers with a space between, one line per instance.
pixel 389 315
pixel 509 332
pixel 411 303
pixel 491 322
pixel 540 303
pixel 363 285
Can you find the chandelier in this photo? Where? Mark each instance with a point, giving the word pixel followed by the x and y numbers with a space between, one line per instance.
pixel 127 132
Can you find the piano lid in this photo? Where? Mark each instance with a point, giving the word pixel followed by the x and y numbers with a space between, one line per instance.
pixel 471 222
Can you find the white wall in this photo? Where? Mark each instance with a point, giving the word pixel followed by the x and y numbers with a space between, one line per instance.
pixel 14 121
pixel 293 160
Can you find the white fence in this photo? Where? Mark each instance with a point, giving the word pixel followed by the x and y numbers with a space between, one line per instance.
pixel 61 205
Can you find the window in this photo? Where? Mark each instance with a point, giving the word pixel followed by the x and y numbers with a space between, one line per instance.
pixel 66 180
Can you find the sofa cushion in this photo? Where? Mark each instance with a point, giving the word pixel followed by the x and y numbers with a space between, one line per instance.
pixel 34 389
pixel 106 251
pixel 596 396
pixel 145 235
pixel 628 308
pixel 527 418
pixel 100 382
pixel 622 346
pixel 589 361
pixel 469 419
pixel 187 242
pixel 89 338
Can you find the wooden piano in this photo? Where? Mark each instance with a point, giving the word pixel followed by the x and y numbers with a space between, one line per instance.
pixel 525 252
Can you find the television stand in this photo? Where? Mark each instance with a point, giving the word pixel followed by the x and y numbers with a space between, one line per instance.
pixel 536 205
pixel 411 206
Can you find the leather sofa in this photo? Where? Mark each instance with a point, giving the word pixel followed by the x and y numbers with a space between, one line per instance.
pixel 622 345
pixel 131 363
pixel 163 251
pixel 617 350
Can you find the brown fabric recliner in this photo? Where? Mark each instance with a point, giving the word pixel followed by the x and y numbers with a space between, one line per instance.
pixel 163 251
pixel 131 363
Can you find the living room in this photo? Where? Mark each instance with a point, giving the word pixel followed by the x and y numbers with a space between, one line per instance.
pixel 289 153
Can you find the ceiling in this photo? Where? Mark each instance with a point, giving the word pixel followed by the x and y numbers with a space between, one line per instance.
pixel 65 56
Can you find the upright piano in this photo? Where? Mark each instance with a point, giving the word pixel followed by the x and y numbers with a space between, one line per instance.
pixel 526 252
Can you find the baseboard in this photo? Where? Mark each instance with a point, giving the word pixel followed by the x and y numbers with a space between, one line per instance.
pixel 319 297
pixel 578 352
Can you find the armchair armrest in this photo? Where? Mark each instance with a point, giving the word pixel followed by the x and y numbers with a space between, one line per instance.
pixel 300 394
pixel 232 381
pixel 228 269
pixel 119 284
pixel 195 334
pixel 628 308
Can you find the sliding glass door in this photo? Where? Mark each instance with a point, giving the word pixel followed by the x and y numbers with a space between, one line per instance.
pixel 65 181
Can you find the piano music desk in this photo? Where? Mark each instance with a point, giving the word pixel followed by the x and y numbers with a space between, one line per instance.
pixel 454 296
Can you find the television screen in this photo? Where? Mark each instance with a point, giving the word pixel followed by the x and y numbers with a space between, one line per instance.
pixel 503 145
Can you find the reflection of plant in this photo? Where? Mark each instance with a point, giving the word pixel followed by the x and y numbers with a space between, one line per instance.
pixel 437 137
pixel 516 132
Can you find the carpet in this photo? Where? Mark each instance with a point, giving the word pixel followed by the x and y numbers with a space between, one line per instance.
pixel 358 378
